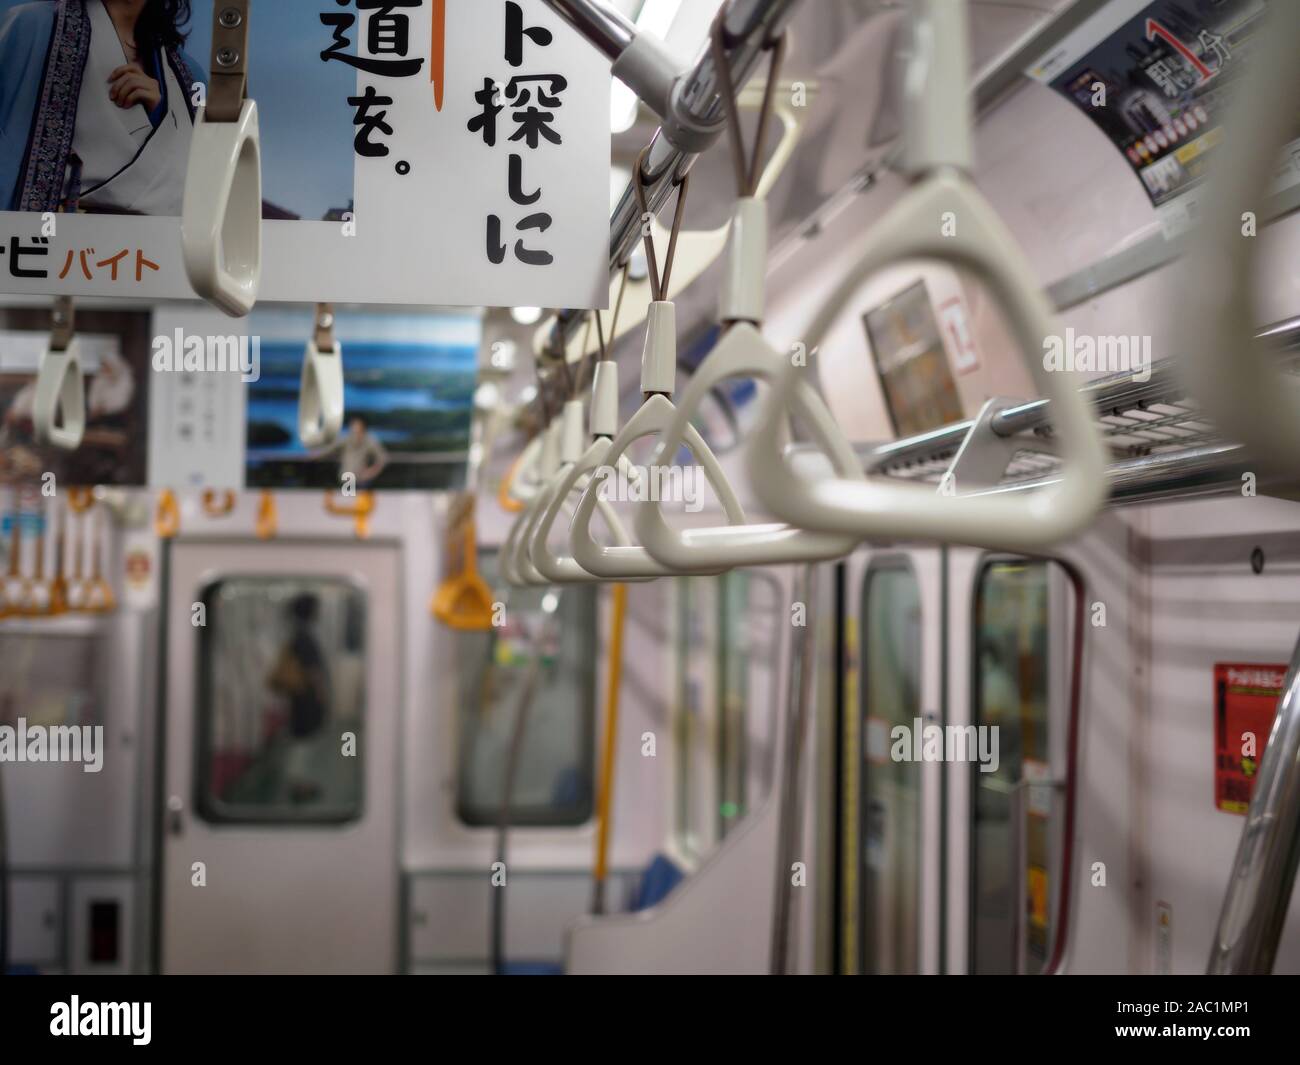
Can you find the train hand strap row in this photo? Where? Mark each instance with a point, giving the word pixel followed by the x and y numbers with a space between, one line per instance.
pixel 937 157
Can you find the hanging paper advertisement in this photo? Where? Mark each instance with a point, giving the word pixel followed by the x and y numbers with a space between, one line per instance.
pixel 1245 702
pixel 113 348
pixel 417 152
pixel 1157 78
pixel 224 405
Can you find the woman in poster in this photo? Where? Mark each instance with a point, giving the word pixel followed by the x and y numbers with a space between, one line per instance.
pixel 97 103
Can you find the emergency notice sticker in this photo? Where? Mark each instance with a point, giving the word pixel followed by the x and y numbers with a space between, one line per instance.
pixel 1245 700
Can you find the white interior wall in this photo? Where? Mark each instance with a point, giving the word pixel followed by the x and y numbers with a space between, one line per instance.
pixel 433 838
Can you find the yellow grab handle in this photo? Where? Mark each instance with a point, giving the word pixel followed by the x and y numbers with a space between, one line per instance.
pixel 215 508
pixel 167 518
pixel 605 790
pixel 464 600
pixel 81 499
pixel 505 500
pixel 268 518
pixel 359 511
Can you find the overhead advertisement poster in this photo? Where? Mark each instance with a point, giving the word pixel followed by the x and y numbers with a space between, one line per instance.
pixel 1157 78
pixel 408 384
pixel 1245 702
pixel 417 151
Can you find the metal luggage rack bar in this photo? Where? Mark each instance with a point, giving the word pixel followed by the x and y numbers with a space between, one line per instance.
pixel 1162 446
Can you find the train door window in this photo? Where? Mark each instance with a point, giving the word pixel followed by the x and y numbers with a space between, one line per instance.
pixel 891 790
pixel 554 770
pixel 1017 808
pixel 695 635
pixel 733 698
pixel 282 665
pixel 728 643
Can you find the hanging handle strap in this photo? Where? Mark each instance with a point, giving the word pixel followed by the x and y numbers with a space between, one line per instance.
pixel 659 289
pixel 1233 369
pixel 359 511
pixel 979 243
pixel 320 392
pixel 218 506
pixel 268 518
pixel 221 212
pixel 167 517
pixel 748 166
pixel 228 82
pixel 59 405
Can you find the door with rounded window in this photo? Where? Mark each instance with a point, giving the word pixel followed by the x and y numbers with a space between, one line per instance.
pixel 282 705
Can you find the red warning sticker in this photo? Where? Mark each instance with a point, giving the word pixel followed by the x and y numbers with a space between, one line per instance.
pixel 1245 700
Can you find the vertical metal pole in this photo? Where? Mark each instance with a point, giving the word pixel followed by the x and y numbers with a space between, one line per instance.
pixel 791 810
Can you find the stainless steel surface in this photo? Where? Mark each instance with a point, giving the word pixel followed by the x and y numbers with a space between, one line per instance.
pixel 749 23
pixel 609 30
pixel 1263 872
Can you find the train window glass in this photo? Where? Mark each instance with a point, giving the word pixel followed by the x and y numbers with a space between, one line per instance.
pixel 733 699
pixel 57 678
pixel 728 644
pixel 696 820
pixel 891 790
pixel 1017 808
pixel 282 679
pixel 555 765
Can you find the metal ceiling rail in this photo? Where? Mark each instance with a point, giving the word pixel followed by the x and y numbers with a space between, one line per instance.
pixel 692 114
pixel 1162 446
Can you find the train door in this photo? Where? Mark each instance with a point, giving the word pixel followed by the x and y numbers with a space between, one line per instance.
pixel 1013 621
pixel 891 807
pixel 282 714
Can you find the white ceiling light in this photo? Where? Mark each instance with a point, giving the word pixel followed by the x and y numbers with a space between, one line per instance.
pixel 526 315
pixel 656 18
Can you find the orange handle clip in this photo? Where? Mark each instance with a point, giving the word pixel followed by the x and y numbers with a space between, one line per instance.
pixel 215 508
pixel 359 511
pixel 268 518
pixel 167 518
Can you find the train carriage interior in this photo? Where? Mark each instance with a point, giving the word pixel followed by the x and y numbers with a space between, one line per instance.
pixel 890 565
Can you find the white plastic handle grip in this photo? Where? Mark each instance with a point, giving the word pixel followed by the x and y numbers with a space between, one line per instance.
pixel 628 562
pixel 221 212
pixel 562 569
pixel 521 545
pixel 1029 521
pixel 60 389
pixel 936 88
pixel 506 556
pixel 1234 376
pixel 548 467
pixel 743 352
pixel 320 395
pixel 526 483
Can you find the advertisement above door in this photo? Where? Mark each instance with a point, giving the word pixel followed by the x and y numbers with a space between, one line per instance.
pixel 1156 77
pixel 416 151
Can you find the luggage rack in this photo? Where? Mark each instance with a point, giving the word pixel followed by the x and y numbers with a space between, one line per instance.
pixel 1161 445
